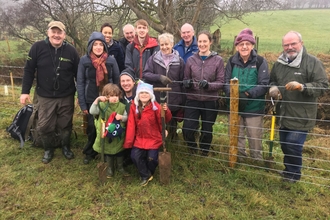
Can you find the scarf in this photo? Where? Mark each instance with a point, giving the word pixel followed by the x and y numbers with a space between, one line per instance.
pixel 99 65
pixel 295 63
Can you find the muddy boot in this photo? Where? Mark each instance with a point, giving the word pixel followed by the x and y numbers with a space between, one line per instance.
pixel 65 143
pixel 120 166
pixel 110 170
pixel 49 149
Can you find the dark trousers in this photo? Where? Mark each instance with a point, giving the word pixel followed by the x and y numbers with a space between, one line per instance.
pixel 146 161
pixel 207 111
pixel 292 142
pixel 91 136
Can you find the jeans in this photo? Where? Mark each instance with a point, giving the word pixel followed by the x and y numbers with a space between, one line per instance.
pixel 146 161
pixel 292 142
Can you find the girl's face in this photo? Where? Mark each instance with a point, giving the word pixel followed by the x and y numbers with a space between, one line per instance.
pixel 98 47
pixel 113 98
pixel 144 97
pixel 107 33
pixel 204 44
pixel 165 46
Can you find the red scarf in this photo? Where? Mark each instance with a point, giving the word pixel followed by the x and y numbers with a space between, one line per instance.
pixel 99 64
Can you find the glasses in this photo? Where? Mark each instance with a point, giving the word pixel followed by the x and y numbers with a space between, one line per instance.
pixel 292 44
pixel 247 44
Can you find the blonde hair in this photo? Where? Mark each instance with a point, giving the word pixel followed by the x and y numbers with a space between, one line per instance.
pixel 111 89
pixel 141 22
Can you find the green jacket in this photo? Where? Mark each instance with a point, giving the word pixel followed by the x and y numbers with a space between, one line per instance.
pixel 116 145
pixel 297 110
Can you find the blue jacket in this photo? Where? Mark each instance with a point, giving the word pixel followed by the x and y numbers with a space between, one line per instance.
pixel 180 47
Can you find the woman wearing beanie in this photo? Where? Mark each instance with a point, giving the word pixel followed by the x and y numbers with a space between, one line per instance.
pixel 95 70
pixel 252 73
pixel 203 78
pixel 144 131
pixel 161 69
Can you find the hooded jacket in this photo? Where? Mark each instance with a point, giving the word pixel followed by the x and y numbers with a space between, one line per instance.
pixel 155 67
pixel 180 47
pixel 86 77
pixel 56 69
pixel 145 132
pixel 298 109
pixel 211 69
pixel 136 58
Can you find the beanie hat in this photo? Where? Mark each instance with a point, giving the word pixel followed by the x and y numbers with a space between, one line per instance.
pixel 245 35
pixel 113 128
pixel 129 72
pixel 145 87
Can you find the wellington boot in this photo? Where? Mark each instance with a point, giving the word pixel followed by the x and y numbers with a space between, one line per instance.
pixel 68 154
pixel 120 166
pixel 48 156
pixel 111 166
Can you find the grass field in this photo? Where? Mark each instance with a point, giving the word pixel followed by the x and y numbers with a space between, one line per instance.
pixel 270 26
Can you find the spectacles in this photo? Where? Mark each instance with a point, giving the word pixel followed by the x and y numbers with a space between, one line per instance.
pixel 292 44
pixel 247 44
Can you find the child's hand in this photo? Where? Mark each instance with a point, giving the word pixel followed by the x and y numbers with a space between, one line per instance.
pixel 100 99
pixel 165 107
pixel 118 117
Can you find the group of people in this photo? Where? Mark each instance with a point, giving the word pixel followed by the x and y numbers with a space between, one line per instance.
pixel 115 80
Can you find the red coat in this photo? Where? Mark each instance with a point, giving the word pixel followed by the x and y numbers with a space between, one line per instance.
pixel 146 132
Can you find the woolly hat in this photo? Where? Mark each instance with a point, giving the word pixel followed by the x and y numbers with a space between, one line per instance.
pixel 129 72
pixel 245 35
pixel 145 87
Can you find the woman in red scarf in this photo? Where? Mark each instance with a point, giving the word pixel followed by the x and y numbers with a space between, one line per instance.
pixel 95 70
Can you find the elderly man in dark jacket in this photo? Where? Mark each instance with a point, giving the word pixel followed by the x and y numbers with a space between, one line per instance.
pixel 299 79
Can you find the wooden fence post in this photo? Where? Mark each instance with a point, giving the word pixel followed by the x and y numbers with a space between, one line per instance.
pixel 233 122
pixel 12 85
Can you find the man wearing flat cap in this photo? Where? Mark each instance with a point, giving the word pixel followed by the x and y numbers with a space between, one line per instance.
pixel 252 72
pixel 53 63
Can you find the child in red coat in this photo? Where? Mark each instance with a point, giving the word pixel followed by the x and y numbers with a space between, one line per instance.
pixel 144 131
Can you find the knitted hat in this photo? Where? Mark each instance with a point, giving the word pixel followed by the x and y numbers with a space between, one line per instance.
pixel 129 72
pixel 245 35
pixel 145 87
pixel 57 24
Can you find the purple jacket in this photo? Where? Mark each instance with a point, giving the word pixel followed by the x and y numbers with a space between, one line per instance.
pixel 211 69
pixel 155 67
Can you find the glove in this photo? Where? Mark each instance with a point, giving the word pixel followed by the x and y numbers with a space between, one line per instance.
pixel 243 101
pixel 165 80
pixel 187 83
pixel 275 92
pixel 203 84
pixel 294 86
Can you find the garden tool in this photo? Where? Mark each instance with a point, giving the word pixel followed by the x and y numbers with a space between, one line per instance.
pixel 102 166
pixel 164 157
pixel 270 158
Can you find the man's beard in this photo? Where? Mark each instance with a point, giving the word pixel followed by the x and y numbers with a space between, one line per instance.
pixel 291 56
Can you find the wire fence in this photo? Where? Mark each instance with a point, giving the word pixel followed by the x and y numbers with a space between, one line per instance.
pixel 316 151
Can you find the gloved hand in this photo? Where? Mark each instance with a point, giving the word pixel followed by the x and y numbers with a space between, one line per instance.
pixel 165 80
pixel 294 86
pixel 187 83
pixel 203 84
pixel 243 101
pixel 275 92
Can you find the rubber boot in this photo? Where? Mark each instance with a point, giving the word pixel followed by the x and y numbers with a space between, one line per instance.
pixel 65 143
pixel 111 166
pixel 49 149
pixel 120 166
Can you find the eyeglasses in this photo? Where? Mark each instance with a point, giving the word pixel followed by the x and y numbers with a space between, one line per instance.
pixel 292 44
pixel 247 44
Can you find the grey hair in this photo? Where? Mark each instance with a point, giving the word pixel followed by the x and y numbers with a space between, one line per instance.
pixel 187 24
pixel 128 25
pixel 294 32
pixel 166 36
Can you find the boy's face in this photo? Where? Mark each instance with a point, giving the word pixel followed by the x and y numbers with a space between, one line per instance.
pixel 141 30
pixel 113 98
